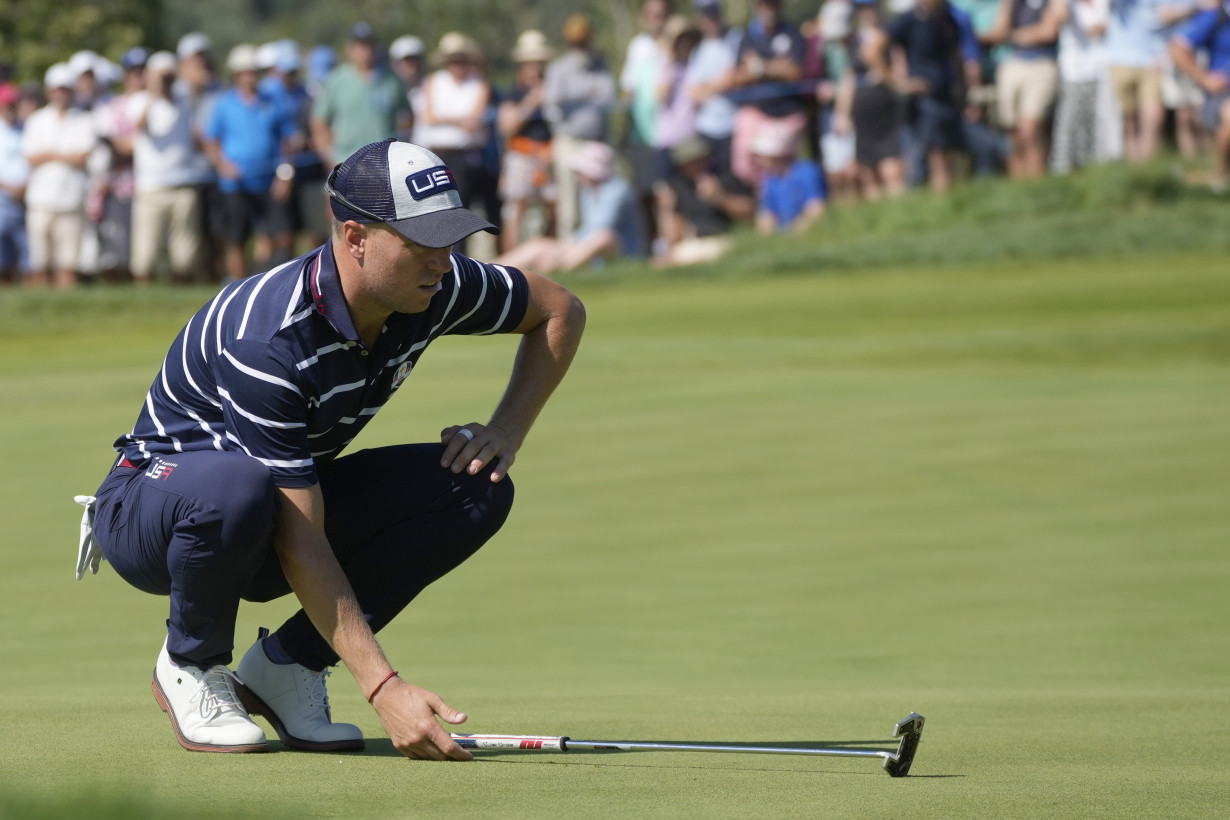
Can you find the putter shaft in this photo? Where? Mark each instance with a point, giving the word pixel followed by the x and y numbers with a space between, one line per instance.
pixel 896 763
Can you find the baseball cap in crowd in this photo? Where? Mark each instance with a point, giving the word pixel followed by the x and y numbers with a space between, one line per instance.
pixel 532 47
pixel 691 149
pixel 456 46
pixel 408 188
pixel 834 19
pixel 772 142
pixel 405 46
pixel 59 76
pixel 594 160
pixel 134 58
pixel 266 56
pixel 83 62
pixel 162 62
pixel 363 32
pixel 242 58
pixel 8 94
pixel 708 8
pixel 193 43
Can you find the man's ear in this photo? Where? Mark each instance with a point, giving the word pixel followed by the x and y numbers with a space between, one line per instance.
pixel 354 239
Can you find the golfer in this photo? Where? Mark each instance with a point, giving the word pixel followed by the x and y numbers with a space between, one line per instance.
pixel 232 483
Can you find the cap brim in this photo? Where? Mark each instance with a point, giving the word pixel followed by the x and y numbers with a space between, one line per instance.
pixel 442 229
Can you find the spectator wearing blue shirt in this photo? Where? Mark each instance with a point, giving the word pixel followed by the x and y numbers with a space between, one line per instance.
pixel 936 59
pixel 791 193
pixel 244 140
pixel 14 171
pixel 1209 31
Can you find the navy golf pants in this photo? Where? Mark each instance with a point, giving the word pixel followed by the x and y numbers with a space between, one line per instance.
pixel 198 527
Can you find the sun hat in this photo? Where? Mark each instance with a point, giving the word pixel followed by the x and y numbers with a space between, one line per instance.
pixel 532 47
pixel 455 45
pixel 677 26
pixel 594 160
pixel 405 46
pixel 59 76
pixel 243 57
pixel 162 62
pixel 691 149
pixel 193 43
pixel 835 19
pixel 406 187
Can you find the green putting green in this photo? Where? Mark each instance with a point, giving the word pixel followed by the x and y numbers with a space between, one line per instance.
pixel 769 509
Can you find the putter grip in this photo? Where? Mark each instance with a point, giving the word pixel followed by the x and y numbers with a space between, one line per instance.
pixel 527 743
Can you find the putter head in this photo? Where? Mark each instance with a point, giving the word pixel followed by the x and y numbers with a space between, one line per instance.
pixel 910 732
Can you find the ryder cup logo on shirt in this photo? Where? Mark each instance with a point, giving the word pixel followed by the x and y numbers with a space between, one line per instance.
pixel 402 372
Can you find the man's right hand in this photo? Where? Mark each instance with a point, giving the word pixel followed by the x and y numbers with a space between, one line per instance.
pixel 408 714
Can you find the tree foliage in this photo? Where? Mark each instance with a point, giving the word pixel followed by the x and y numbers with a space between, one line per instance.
pixel 36 33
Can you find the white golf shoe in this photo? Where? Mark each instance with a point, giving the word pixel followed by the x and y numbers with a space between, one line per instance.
pixel 204 708
pixel 295 701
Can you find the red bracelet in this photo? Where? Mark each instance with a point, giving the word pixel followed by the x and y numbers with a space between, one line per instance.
pixel 380 685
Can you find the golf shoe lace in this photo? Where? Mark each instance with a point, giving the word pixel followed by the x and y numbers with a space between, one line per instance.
pixel 216 693
pixel 318 693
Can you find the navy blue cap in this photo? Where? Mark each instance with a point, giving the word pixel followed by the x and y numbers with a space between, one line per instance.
pixel 406 187
pixel 135 58
pixel 362 31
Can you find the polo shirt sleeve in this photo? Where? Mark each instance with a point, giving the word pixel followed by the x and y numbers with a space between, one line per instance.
pixel 486 299
pixel 265 411
pixel 970 50
pixel 323 107
pixel 1199 30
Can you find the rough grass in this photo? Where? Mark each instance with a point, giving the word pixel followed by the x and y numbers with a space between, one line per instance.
pixel 786 507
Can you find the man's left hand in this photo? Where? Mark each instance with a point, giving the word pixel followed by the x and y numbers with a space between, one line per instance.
pixel 473 446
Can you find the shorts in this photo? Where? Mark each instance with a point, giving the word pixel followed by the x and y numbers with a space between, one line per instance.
pixel 1214 111
pixel 55 239
pixel 1136 88
pixel 876 114
pixel 1025 90
pixel 527 175
pixel 1180 90
pixel 937 125
pixel 247 213
pixel 14 255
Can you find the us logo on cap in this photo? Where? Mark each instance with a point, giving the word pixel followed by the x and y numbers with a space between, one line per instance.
pixel 431 182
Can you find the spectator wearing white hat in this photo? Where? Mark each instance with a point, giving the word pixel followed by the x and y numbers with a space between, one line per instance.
pixel 406 58
pixel 166 205
pixel 610 228
pixel 526 168
pixel 57 142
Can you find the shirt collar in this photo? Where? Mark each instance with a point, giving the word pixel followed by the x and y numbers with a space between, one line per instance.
pixel 325 288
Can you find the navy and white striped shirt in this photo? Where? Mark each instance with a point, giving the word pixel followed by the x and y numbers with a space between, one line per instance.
pixel 273 366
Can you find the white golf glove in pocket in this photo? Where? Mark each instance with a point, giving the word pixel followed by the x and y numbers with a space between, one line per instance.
pixel 88 552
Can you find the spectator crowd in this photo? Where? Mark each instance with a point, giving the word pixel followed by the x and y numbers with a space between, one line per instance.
pixel 186 166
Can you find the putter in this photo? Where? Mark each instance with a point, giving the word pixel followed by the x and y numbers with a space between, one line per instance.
pixel 897 764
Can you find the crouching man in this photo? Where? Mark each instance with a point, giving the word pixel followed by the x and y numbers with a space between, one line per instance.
pixel 232 484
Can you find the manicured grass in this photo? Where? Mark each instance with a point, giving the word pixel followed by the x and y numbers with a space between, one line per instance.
pixel 762 508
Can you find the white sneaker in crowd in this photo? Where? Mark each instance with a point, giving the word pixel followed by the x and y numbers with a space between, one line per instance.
pixel 295 701
pixel 204 708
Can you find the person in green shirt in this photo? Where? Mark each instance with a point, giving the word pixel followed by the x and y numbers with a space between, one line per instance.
pixel 360 102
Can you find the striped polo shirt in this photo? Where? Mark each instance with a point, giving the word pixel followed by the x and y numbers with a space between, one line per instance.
pixel 273 366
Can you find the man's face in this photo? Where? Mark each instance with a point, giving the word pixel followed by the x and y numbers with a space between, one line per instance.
pixel 60 98
pixel 653 16
pixel 246 80
pixel 402 275
pixel 362 53
pixel 768 12
pixel 408 69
